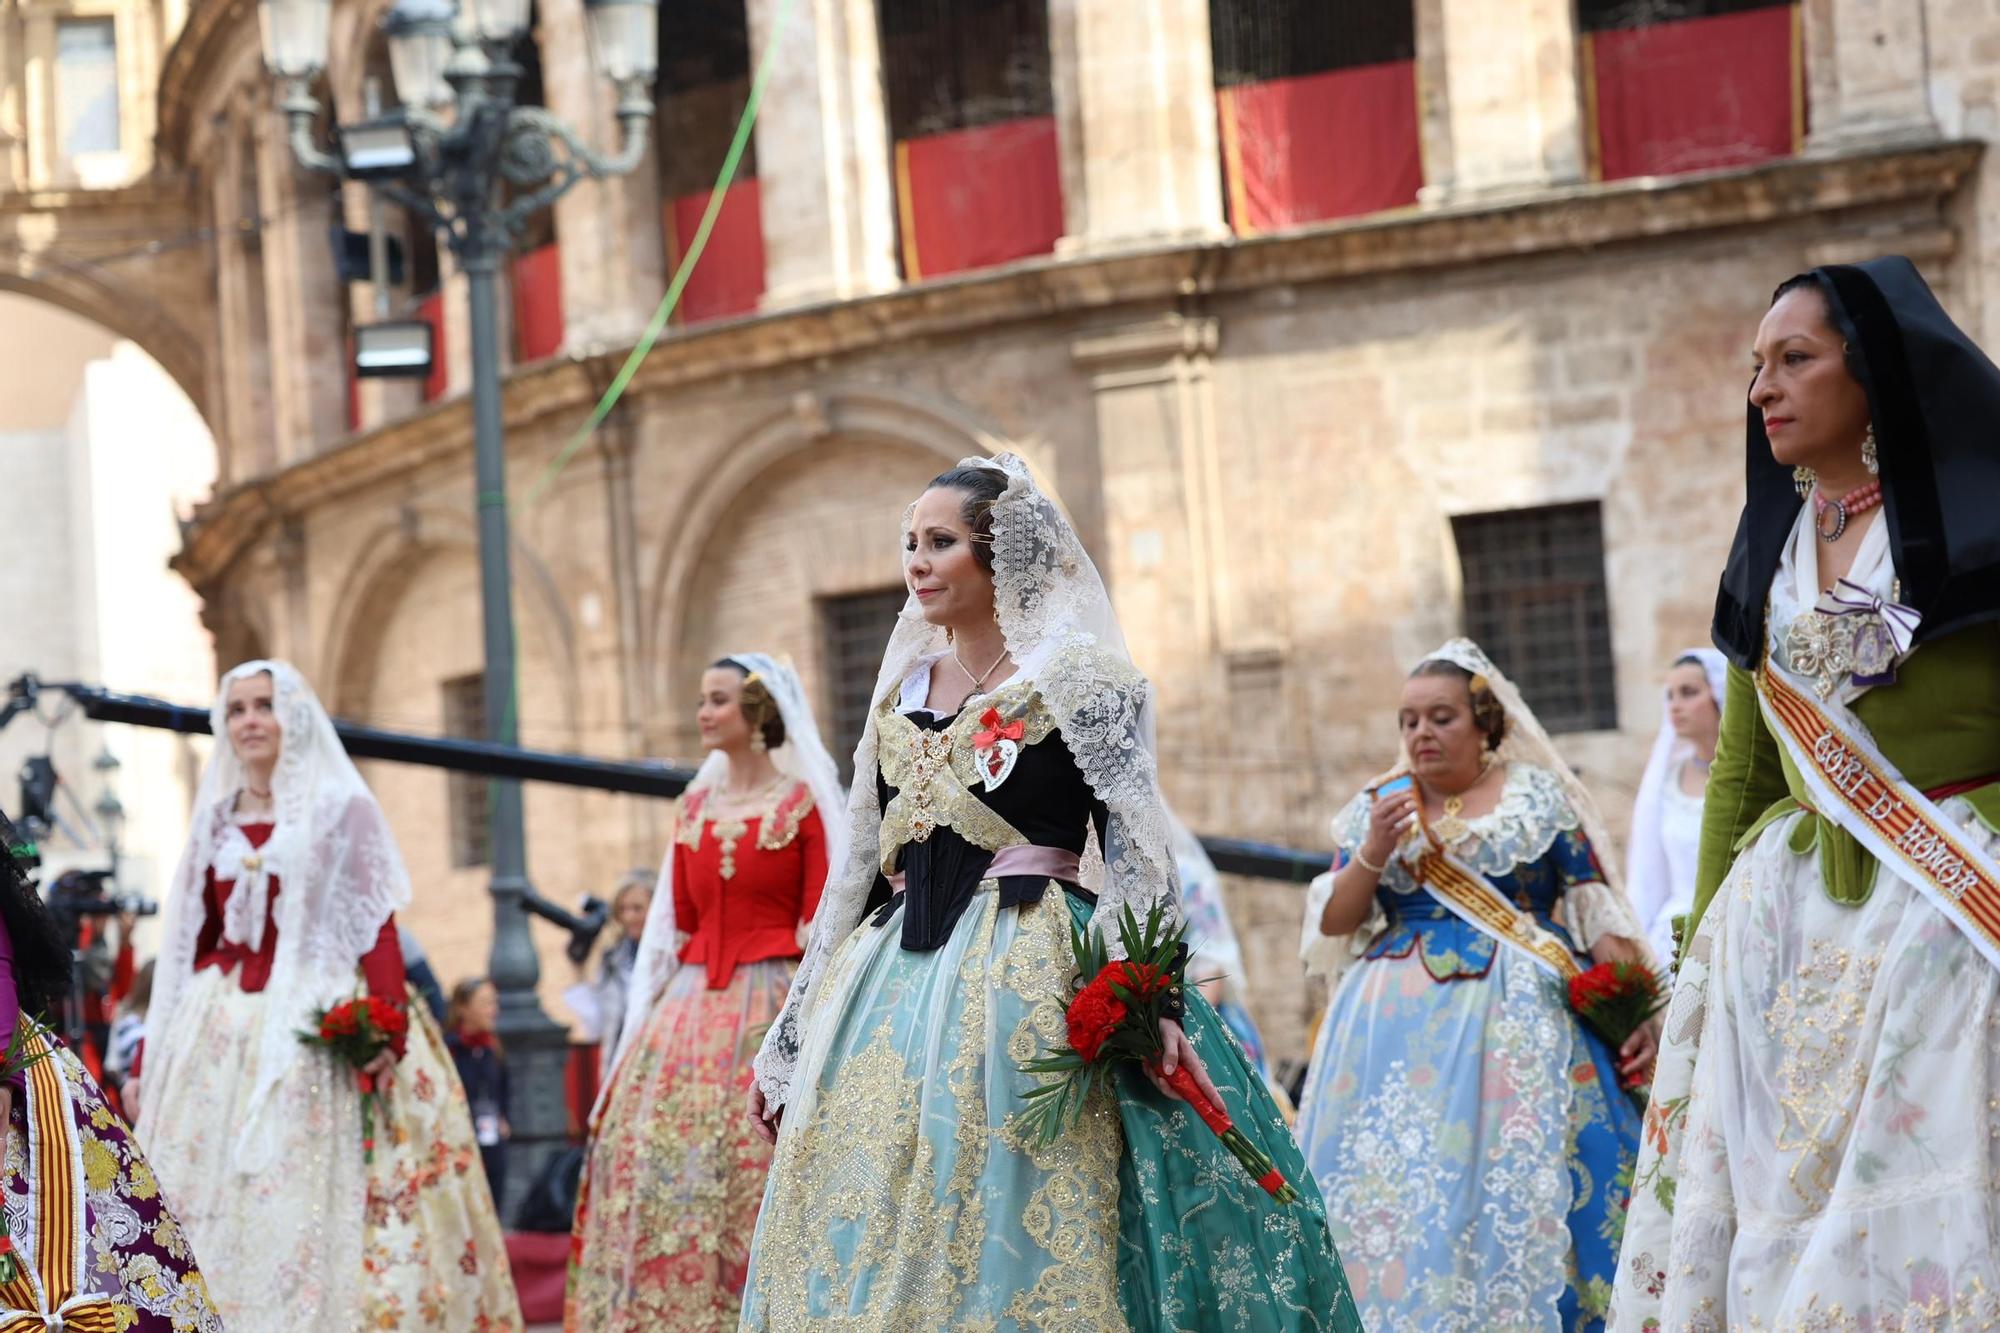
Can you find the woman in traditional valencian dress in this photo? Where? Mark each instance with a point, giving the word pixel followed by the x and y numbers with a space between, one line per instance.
pixel 1823 1145
pixel 69 1158
pixel 1666 819
pixel 670 1194
pixel 1008 724
pixel 1470 1135
pixel 284 903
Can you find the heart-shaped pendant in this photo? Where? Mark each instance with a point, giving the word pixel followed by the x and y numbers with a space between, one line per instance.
pixel 996 761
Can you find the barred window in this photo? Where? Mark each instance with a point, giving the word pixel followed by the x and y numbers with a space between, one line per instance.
pixel 958 64
pixel 855 629
pixel 468 799
pixel 86 87
pixel 1535 601
pixel 1617 15
pixel 1256 40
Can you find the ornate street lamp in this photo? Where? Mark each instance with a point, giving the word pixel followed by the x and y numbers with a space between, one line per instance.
pixel 444 156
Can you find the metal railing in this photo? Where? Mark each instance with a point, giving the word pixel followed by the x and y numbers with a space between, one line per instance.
pixel 637 777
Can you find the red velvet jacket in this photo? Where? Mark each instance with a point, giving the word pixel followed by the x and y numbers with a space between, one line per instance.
pixel 381 966
pixel 743 886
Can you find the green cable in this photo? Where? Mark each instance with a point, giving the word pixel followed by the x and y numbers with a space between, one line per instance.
pixel 657 325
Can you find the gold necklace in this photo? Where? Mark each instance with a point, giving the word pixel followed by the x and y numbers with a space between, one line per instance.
pixel 1451 827
pixel 979 680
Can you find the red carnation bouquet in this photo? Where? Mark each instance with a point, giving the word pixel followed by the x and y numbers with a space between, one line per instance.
pixel 1614 1000
pixel 1115 1018
pixel 356 1031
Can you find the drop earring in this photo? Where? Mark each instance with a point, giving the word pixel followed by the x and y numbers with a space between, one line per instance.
pixel 1803 480
pixel 1870 455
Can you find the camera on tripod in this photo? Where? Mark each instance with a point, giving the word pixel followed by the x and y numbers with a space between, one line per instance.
pixel 78 895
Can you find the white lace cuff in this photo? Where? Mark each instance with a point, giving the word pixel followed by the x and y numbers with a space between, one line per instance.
pixel 1329 956
pixel 1591 911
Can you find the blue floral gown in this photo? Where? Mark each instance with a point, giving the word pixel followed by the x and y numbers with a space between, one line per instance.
pixel 903 1194
pixel 1469 1135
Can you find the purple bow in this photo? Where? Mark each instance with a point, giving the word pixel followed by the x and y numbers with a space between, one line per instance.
pixel 1901 621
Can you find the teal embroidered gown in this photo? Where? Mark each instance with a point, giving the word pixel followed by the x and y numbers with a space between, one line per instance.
pixel 904 1196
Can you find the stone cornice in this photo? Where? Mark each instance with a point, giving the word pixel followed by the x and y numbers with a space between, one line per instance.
pixel 158 198
pixel 1552 222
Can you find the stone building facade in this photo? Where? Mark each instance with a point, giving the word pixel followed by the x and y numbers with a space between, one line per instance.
pixel 1298 455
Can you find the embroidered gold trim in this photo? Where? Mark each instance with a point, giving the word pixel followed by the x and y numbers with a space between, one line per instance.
pixel 781 825
pixel 932 773
pixel 776 827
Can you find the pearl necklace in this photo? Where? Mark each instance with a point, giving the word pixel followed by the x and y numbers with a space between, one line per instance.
pixel 1857 501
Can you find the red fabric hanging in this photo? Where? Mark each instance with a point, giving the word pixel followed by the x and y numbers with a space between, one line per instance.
pixel 975 198
pixel 729 277
pixel 538 310
pixel 1698 94
pixel 1320 146
pixel 431 310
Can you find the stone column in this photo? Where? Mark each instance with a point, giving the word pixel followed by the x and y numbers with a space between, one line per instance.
pixel 823 162
pixel 1161 546
pixel 612 246
pixel 1508 118
pixel 1135 119
pixel 1869 79
pixel 244 408
pixel 38 120
pixel 13 103
pixel 302 295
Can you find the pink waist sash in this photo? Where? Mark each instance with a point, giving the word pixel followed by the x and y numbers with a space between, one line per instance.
pixel 1027 859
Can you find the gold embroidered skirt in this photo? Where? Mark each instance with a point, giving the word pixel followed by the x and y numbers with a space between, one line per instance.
pixel 669 1196
pixel 903 1196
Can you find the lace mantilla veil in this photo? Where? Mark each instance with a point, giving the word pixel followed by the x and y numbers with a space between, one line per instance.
pixel 1528 743
pixel 1059 626
pixel 802 757
pixel 339 874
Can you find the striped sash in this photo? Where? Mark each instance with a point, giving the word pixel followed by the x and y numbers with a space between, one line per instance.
pixel 1473 898
pixel 1856 787
pixel 50 1291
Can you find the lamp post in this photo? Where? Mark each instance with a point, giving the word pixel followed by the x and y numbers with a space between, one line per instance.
pixel 445 156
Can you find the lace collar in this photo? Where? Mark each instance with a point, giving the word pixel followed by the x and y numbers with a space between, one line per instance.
pixel 1815 636
pixel 1531 814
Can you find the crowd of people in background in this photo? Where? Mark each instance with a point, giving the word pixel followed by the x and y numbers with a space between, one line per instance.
pixel 813 1022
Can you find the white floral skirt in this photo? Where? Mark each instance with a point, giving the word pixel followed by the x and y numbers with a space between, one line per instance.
pixel 324 1242
pixel 1823 1146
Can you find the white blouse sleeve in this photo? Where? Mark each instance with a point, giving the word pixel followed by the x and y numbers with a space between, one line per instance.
pixel 1329 956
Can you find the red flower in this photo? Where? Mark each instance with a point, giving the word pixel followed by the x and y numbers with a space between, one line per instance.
pixel 1141 978
pixel 1097 1012
pixel 1093 1016
pixel 389 1019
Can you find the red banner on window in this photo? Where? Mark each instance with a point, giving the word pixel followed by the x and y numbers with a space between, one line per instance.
pixel 1696 95
pixel 1320 146
pixel 975 198
pixel 728 279
pixel 538 308
pixel 431 309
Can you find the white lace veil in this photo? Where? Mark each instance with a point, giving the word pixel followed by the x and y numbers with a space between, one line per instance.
pixel 1647 878
pixel 1528 743
pixel 803 757
pixel 339 877
pixel 1058 623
